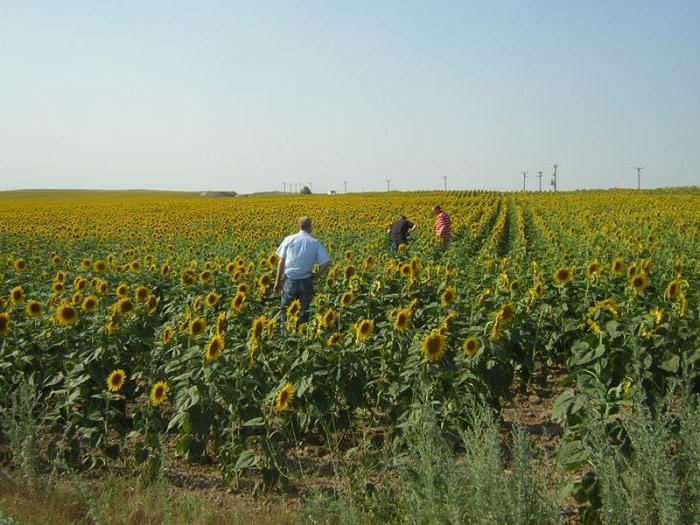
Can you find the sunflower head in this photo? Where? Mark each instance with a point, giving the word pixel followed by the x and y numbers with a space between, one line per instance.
pixel 563 275
pixel 99 266
pixel 237 301
pixel 122 290
pixel 17 295
pixel 294 308
pixel 333 339
pixel 214 348
pixel 364 329
pixel 258 327
pixel 116 380
pixel 33 308
pixel 347 299
pixel 433 345
pixel 401 319
pixel 448 296
pixel 4 323
pixel 211 299
pixel 205 276
pixel 638 282
pixel 506 313
pixel 284 397
pixel 470 346
pixel 124 306
pixel 66 314
pixel 329 318
pixel 672 290
pixel 159 393
pixel 197 326
pixel 89 303
pixel 167 334
pixel 141 294
pixel 19 264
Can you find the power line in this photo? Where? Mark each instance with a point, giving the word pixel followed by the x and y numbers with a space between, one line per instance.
pixel 444 180
pixel 539 176
pixel 387 184
pixel 524 177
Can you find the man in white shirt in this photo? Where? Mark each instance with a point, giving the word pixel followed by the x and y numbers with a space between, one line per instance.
pixel 297 255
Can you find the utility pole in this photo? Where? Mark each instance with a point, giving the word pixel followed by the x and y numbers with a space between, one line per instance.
pixel 539 176
pixel 345 185
pixel 524 177
pixel 444 180
pixel 554 178
pixel 639 177
pixel 387 184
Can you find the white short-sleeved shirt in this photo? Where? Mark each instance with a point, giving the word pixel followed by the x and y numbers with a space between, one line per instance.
pixel 300 252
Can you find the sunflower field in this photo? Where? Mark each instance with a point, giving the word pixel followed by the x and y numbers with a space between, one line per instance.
pixel 148 326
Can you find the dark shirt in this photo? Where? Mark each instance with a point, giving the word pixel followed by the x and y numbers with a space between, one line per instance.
pixel 399 230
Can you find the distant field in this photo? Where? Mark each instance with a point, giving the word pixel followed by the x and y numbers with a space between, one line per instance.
pixel 139 334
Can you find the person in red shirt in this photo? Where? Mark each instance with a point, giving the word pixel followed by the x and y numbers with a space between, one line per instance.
pixel 443 226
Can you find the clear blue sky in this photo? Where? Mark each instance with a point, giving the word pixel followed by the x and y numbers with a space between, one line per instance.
pixel 248 95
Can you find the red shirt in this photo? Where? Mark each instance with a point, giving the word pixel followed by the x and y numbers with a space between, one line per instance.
pixel 443 226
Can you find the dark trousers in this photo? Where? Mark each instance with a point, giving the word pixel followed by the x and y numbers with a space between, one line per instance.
pixel 302 289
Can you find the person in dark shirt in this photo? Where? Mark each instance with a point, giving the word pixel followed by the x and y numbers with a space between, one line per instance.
pixel 398 232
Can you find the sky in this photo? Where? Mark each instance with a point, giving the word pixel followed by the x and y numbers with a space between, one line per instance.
pixel 248 96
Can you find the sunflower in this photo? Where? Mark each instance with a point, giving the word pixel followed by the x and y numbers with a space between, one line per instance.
pixel 595 328
pixel 20 264
pixel 205 277
pixel 60 276
pixel 364 329
pixel 116 380
pixel 348 272
pixel 123 306
pixel 514 285
pixel 537 290
pixel 99 266
pixel 197 326
pixel 211 299
pixel 135 266
pixel 237 302
pixel 401 319
pixel 448 296
pixel 257 327
pixel 484 295
pixel 85 264
pixel 79 283
pixel 66 314
pixel 77 298
pixel 406 270
pixel 187 278
pixel 4 323
pixel 506 313
pixel 294 308
pixel 58 286
pixel 33 308
pixel 103 287
pixel 242 289
pixel 333 339
pixel 221 323
pixel 89 303
pixel 167 334
pixel 594 269
pixel 672 290
pixel 152 304
pixel 165 269
pixel 214 348
pixel 433 345
pixel 328 319
pixel 470 346
pixel 17 295
pixel 284 397
pixel 563 275
pixel 141 294
pixel 122 290
pixel 347 299
pixel 159 393
pixel 264 280
pixel 638 282
pixel 230 267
